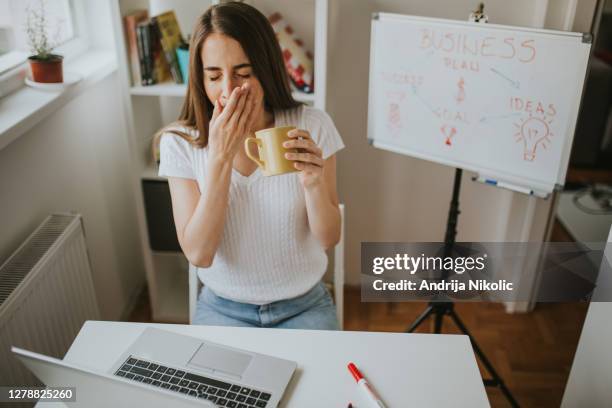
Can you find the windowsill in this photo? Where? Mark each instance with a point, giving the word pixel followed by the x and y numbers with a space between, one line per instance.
pixel 24 108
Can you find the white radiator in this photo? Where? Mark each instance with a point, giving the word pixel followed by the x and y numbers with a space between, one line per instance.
pixel 46 294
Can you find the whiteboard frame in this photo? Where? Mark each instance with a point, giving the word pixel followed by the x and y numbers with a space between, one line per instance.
pixel 538 187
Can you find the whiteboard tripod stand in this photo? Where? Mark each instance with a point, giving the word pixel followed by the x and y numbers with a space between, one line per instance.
pixel 443 306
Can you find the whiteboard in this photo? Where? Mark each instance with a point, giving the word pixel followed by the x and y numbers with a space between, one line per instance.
pixel 497 100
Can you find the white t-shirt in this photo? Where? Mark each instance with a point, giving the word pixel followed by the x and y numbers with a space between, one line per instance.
pixel 267 252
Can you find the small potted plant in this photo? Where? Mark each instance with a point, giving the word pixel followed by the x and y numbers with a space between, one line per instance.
pixel 46 67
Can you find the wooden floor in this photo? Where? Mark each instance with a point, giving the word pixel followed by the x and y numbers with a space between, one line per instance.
pixel 532 352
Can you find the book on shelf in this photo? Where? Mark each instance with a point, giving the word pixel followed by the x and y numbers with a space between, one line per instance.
pixel 171 38
pixel 151 47
pixel 144 52
pixel 160 66
pixel 130 22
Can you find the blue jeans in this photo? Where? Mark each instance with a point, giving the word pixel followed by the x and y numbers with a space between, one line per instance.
pixel 312 310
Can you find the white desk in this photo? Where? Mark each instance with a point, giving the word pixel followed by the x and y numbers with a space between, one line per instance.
pixel 408 370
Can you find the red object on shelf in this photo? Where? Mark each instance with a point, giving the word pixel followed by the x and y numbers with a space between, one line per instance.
pixel 47 70
pixel 298 61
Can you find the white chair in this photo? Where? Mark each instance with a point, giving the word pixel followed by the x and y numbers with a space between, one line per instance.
pixel 194 282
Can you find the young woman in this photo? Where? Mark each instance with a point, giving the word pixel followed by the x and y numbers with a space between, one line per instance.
pixel 258 242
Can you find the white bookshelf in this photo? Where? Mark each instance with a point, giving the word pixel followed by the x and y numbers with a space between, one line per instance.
pixel 148 108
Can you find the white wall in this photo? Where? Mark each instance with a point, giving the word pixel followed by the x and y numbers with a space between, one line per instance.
pixel 77 159
pixel 560 14
pixel 390 197
pixel 585 12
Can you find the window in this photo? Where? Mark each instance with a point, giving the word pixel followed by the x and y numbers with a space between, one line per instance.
pixel 64 28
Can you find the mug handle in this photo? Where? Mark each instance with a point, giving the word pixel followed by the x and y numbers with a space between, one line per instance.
pixel 258 142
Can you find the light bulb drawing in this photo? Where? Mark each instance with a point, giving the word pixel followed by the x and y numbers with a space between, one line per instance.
pixel 533 132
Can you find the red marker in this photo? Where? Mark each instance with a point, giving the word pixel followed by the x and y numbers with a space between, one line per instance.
pixel 363 385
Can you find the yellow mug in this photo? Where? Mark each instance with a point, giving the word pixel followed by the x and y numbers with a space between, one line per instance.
pixel 271 158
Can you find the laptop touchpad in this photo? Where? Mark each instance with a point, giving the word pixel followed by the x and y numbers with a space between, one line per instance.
pixel 220 359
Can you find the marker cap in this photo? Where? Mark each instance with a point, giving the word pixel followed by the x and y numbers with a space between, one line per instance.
pixel 356 373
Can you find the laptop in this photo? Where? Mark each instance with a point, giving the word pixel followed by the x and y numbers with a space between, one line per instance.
pixel 163 368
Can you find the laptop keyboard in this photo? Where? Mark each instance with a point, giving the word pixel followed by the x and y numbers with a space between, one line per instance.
pixel 221 393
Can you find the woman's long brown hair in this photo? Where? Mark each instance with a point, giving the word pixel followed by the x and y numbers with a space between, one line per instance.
pixel 254 32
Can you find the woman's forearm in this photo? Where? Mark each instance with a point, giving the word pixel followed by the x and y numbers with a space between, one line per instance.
pixel 204 230
pixel 323 215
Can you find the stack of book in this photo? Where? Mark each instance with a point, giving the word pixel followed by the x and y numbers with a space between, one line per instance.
pixel 151 46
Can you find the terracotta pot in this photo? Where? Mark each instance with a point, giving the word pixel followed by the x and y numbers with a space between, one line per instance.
pixel 48 70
